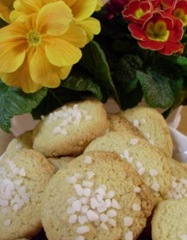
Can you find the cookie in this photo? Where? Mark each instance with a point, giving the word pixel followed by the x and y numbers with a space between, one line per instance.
pixel 23 141
pixel 60 162
pixel 69 129
pixel 152 166
pixel 169 220
pixel 121 124
pixel 23 179
pixel 152 125
pixel 178 187
pixel 98 196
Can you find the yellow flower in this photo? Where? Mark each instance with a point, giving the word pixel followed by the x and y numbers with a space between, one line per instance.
pixel 6 6
pixel 100 4
pixel 81 10
pixel 39 49
pixel 26 7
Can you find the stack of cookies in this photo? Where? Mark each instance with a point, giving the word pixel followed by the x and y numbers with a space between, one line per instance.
pixel 85 174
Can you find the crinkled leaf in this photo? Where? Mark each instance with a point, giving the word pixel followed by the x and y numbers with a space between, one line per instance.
pixel 161 85
pixel 126 83
pixel 182 61
pixel 56 98
pixel 15 102
pixel 77 86
pixel 94 61
pixel 157 92
pixel 83 82
pixel 124 74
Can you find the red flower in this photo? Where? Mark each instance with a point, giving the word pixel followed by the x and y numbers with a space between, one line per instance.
pixel 138 11
pixel 161 33
pixel 180 11
pixel 166 4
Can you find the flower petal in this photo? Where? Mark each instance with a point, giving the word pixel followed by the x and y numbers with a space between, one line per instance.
pixel 12 47
pixel 63 72
pixel 153 45
pixel 5 9
pixel 170 48
pixel 42 72
pixel 61 53
pixel 21 78
pixel 91 26
pixel 136 31
pixel 82 9
pixel 76 36
pixel 22 7
pixel 54 18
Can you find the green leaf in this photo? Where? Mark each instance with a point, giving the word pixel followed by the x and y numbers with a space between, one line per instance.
pixel 182 61
pixel 15 102
pixel 94 61
pixel 83 82
pixel 160 87
pixel 55 98
pixel 126 83
pixel 77 86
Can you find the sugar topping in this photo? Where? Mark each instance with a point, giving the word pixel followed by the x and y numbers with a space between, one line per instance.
pixel 178 188
pixel 155 186
pixel 18 146
pixel 153 172
pixel 128 235
pixel 136 207
pixel 128 221
pixel 88 159
pixel 133 141
pixel 137 123
pixel 137 189
pixel 13 192
pixel 125 155
pixel 140 168
pixel 91 204
pixel 67 115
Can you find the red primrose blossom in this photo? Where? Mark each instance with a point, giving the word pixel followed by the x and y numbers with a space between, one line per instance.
pixel 160 33
pixel 180 11
pixel 138 11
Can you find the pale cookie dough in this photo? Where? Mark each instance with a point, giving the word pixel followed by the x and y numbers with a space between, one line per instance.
pixel 121 124
pixel 23 179
pixel 178 187
pixel 23 141
pixel 98 196
pixel 169 220
pixel 60 162
pixel 152 166
pixel 69 129
pixel 152 125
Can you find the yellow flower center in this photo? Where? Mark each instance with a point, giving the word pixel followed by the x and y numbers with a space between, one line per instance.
pixel 179 13
pixel 157 31
pixel 34 38
pixel 139 13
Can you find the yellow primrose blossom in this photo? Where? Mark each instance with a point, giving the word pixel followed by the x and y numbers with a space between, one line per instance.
pixel 39 49
pixel 81 11
pixel 100 4
pixel 27 7
pixel 6 6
